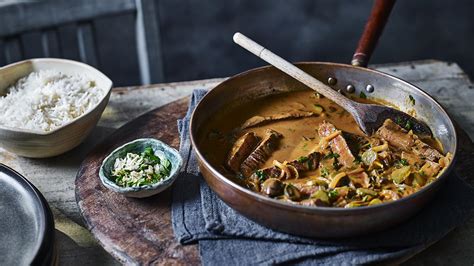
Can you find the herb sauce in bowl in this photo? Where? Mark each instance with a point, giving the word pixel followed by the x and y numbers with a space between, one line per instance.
pixel 140 168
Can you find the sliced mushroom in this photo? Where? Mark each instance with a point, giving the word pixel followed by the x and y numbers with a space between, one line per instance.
pixel 273 187
pixel 292 193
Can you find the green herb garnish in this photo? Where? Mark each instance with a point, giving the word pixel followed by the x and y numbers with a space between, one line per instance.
pixel 398 121
pixel 331 155
pixel 362 95
pixel 324 172
pixel 403 162
pixel 302 159
pixel 150 155
pixel 261 175
pixel 357 159
pixel 333 194
pixel 142 169
pixel 411 99
pixel 305 147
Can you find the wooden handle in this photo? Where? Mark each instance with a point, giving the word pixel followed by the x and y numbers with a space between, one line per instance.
pixel 372 31
pixel 293 71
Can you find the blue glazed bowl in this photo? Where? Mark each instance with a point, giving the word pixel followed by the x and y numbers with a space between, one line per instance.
pixel 138 146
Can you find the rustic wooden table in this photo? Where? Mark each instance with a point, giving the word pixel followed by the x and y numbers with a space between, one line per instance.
pixel 54 177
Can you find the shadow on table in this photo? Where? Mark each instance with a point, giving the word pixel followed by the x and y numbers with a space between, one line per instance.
pixel 70 253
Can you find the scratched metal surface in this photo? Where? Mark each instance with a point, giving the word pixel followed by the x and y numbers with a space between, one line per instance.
pixel 54 177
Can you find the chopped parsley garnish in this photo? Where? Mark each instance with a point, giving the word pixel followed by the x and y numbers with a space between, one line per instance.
pixel 362 95
pixel 331 155
pixel 150 155
pixel 411 99
pixel 408 125
pixel 302 159
pixel 333 194
pixel 261 175
pixel 305 147
pixel 336 165
pixel 398 120
pixel 324 172
pixel 357 159
pixel 136 170
pixel 403 162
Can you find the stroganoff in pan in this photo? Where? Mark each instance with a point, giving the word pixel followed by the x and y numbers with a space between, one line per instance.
pixel 302 148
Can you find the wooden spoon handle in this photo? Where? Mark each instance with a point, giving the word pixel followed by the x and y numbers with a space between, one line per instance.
pixel 372 31
pixel 293 71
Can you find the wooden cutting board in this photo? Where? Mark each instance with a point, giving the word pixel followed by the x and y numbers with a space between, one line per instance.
pixel 140 230
pixel 134 231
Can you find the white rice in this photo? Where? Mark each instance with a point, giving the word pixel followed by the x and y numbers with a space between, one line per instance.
pixel 47 99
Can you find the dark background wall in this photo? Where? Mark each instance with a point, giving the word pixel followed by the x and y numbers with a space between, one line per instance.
pixel 197 42
pixel 197 35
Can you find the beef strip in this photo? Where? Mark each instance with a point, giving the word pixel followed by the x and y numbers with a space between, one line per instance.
pixel 338 144
pixel 426 151
pixel 400 138
pixel 261 153
pixel 301 164
pixel 240 150
pixel 258 120
pixel 360 179
pixel 396 135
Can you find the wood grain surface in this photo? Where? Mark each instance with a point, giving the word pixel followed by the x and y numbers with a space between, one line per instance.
pixel 134 230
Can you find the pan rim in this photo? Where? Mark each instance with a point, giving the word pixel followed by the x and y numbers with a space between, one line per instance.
pixel 320 209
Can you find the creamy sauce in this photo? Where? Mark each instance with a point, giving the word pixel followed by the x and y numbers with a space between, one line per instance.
pixel 300 135
pixel 280 132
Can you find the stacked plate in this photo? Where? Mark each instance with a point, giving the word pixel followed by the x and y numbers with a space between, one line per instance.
pixel 26 222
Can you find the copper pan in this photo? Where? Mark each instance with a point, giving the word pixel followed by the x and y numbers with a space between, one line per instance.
pixel 323 221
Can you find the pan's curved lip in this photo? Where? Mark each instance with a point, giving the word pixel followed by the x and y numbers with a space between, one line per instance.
pixel 315 209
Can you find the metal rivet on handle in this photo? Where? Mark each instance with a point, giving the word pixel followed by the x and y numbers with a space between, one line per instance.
pixel 370 88
pixel 332 81
pixel 350 88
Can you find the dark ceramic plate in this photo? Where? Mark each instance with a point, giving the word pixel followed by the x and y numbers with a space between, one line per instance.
pixel 26 222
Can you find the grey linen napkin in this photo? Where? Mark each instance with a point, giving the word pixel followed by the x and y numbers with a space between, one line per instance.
pixel 226 237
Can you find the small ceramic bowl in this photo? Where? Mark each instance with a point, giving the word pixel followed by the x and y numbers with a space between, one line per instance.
pixel 38 144
pixel 138 146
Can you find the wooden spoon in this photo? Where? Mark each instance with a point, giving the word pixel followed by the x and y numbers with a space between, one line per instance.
pixel 369 117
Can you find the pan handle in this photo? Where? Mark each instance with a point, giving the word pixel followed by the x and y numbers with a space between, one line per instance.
pixel 372 31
